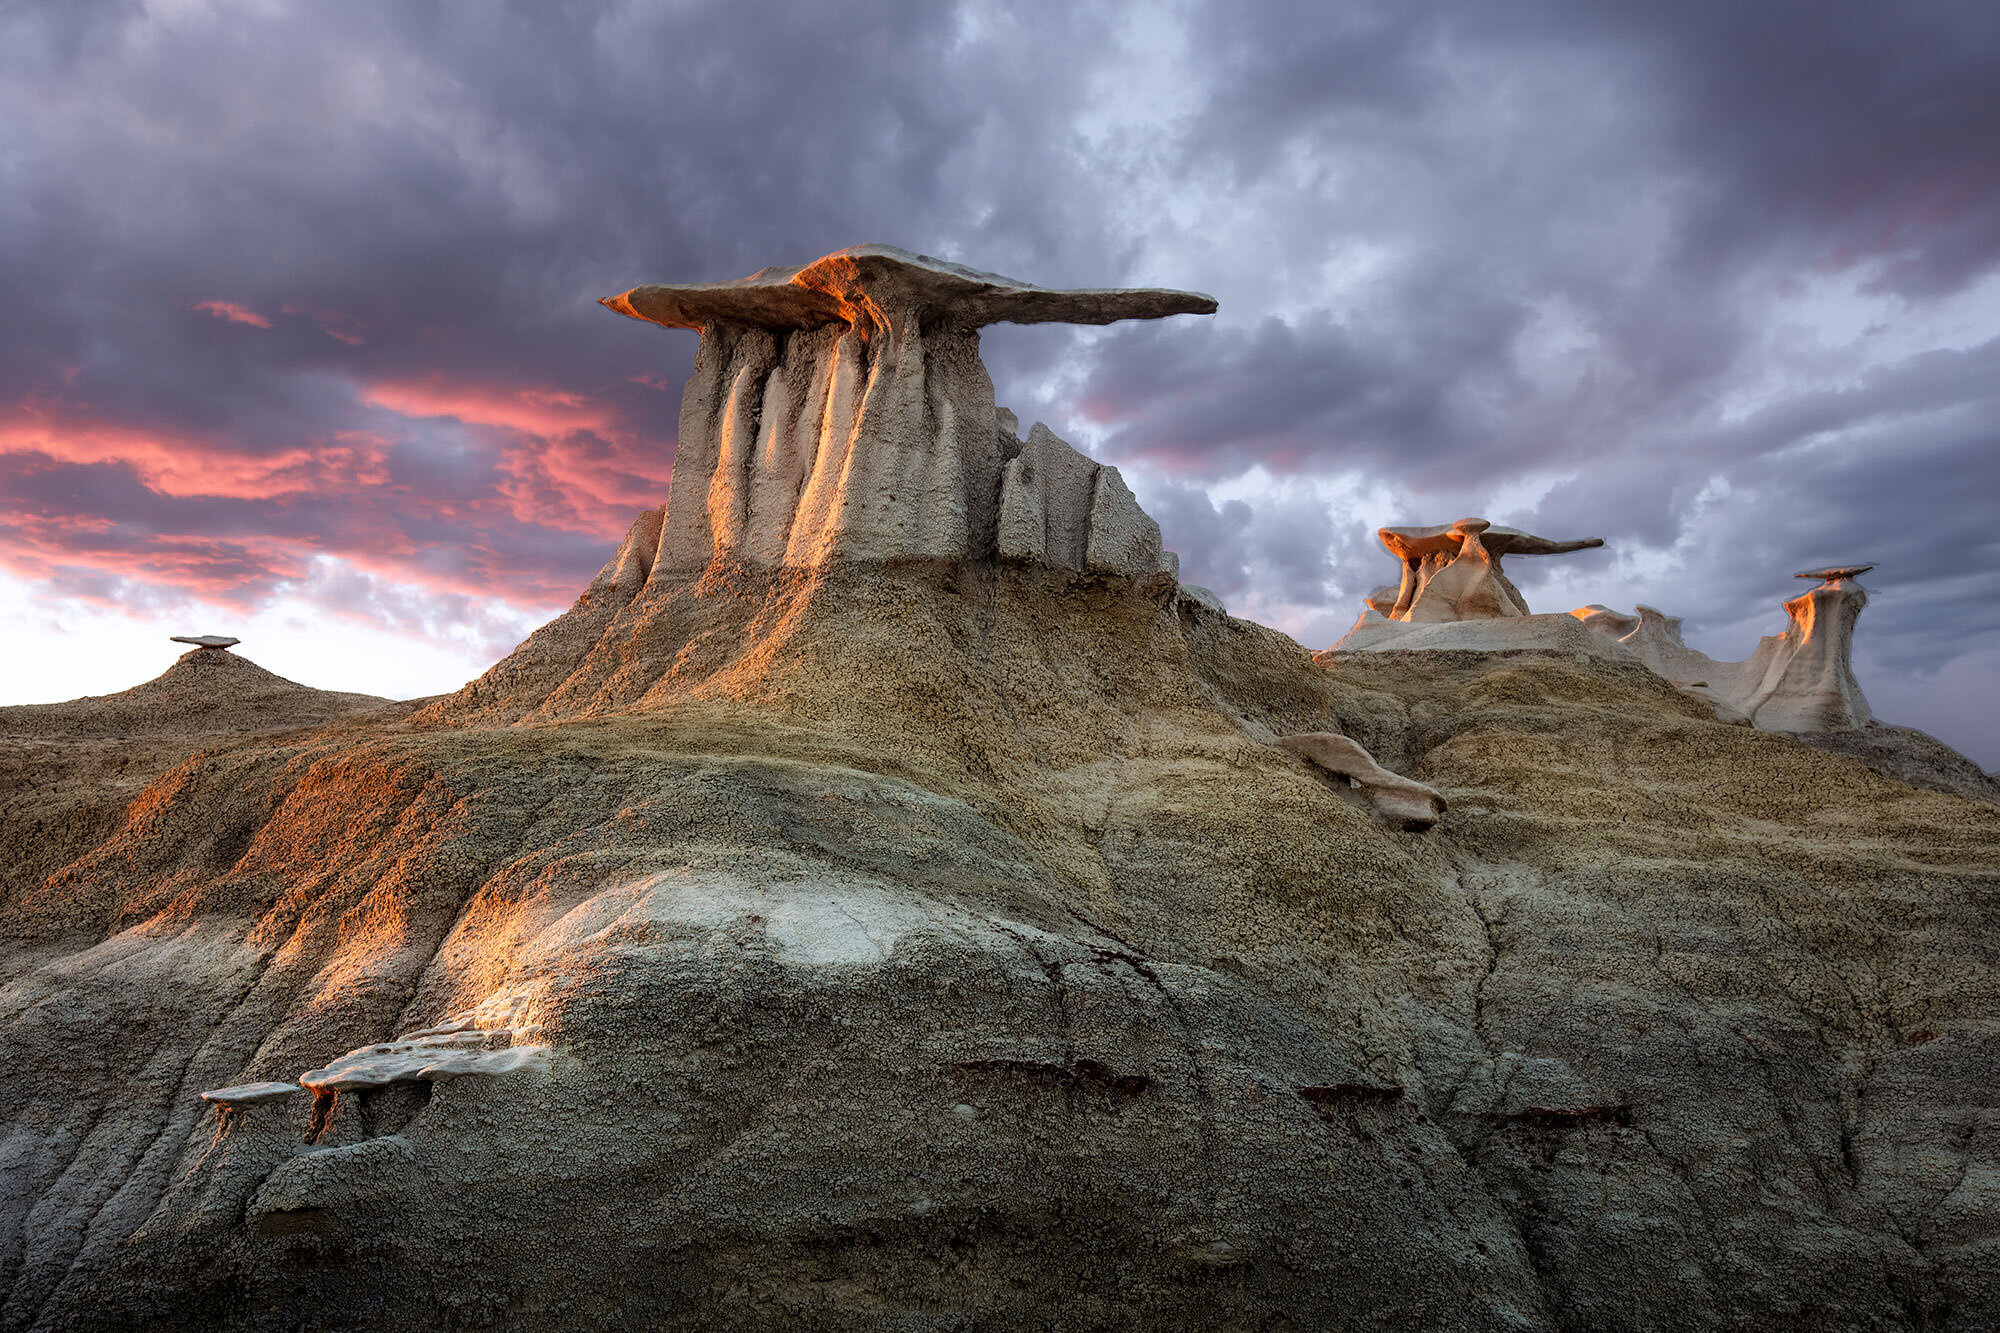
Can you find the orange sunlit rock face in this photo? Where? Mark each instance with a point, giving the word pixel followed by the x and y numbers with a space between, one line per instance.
pixel 840 411
pixel 1452 572
pixel 1800 681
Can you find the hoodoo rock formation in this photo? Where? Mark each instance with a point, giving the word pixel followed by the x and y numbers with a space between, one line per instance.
pixel 839 430
pixel 1452 572
pixel 1801 680
pixel 840 411
pixel 887 900
pixel 1455 596
pixel 1454 591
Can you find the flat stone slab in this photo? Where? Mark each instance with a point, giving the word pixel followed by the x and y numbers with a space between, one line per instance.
pixel 249 1094
pixel 205 640
pixel 1414 543
pixel 435 1053
pixel 846 283
pixel 1833 572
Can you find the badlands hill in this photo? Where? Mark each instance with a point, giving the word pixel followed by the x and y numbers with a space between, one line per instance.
pixel 843 934
pixel 70 771
pixel 208 692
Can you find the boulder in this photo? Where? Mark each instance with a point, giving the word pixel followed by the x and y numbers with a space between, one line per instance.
pixel 1396 798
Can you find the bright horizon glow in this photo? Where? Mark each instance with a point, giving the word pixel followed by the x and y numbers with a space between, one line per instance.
pixel 86 651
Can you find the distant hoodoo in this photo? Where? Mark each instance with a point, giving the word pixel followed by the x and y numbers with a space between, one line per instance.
pixel 210 641
pixel 1452 572
pixel 1800 681
pixel 840 411
pixel 1455 597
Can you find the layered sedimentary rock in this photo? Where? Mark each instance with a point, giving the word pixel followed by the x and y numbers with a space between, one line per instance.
pixel 976 957
pixel 1062 509
pixel 839 411
pixel 838 420
pixel 1800 680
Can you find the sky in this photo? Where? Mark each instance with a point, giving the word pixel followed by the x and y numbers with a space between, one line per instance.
pixel 299 338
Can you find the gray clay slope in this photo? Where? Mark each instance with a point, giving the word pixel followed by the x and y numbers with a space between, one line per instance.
pixel 944 941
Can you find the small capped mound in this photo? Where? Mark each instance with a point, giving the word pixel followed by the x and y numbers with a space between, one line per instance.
pixel 207 690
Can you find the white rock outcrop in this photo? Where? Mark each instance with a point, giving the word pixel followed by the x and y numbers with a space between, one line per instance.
pixel 1452 571
pixel 1396 798
pixel 491 1039
pixel 1799 681
pixel 1454 595
pixel 840 411
pixel 251 1094
pixel 1061 508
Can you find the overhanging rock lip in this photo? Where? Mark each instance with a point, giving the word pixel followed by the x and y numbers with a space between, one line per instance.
pixel 837 287
pixel 1413 542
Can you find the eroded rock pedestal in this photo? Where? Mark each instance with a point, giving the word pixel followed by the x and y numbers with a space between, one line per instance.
pixel 839 430
pixel 1801 680
pixel 840 411
pixel 1452 572
pixel 1455 596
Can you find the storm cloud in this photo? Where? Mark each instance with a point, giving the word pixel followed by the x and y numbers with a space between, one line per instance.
pixel 297 302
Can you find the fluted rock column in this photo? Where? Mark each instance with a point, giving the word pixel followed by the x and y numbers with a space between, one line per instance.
pixel 840 411
pixel 1810 685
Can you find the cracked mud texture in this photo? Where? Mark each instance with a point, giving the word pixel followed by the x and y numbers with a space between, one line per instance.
pixel 948 948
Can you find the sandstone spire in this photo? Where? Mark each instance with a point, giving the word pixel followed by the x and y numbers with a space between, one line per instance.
pixel 839 411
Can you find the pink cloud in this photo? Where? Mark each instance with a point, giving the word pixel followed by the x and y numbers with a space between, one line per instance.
pixel 87 552
pixel 584 481
pixel 115 513
pixel 335 324
pixel 234 313
pixel 571 464
pixel 183 466
pixel 530 411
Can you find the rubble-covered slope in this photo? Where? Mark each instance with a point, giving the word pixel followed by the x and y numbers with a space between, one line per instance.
pixel 940 945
